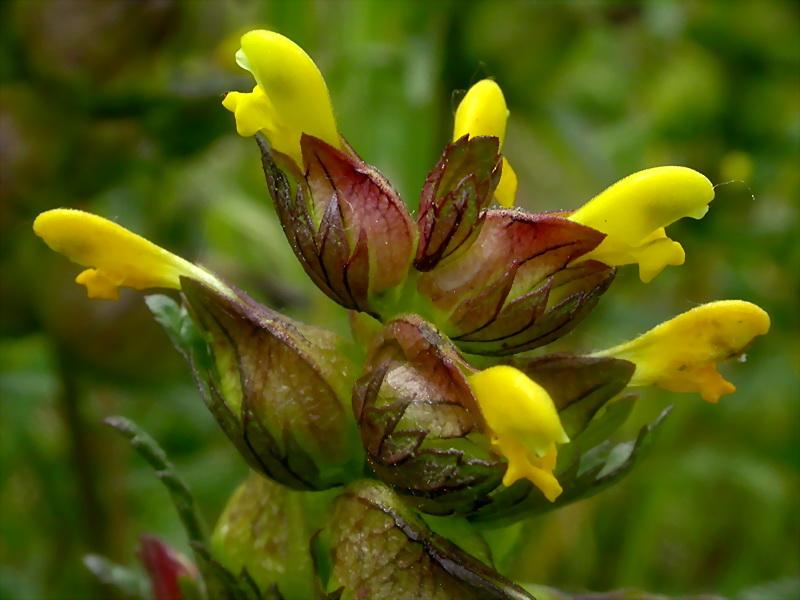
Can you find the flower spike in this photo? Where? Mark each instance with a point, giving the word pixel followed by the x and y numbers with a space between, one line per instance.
pixel 523 425
pixel 290 97
pixel 634 212
pixel 119 257
pixel 681 354
pixel 483 112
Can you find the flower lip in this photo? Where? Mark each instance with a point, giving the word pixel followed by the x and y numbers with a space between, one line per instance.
pixel 522 424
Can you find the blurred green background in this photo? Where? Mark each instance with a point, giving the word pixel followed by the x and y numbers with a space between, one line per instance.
pixel 114 107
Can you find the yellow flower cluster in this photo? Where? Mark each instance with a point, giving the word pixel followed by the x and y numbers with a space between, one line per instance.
pixel 291 99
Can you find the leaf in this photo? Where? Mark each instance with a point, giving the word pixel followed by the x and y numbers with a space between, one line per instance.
pixel 228 586
pixel 380 549
pixel 177 323
pixel 266 529
pixel 548 593
pixel 604 426
pixel 217 585
pixel 580 386
pixel 155 456
pixel 463 534
pixel 585 476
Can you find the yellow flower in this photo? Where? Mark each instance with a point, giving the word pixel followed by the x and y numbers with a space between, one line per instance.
pixel 523 425
pixel 634 212
pixel 290 97
pixel 119 258
pixel 483 111
pixel 681 355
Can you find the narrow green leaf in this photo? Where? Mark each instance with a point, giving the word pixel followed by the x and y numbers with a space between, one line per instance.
pixel 129 582
pixel 599 429
pixel 149 449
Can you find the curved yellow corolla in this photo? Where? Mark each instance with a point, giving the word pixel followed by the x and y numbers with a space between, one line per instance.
pixel 117 257
pixel 681 354
pixel 290 97
pixel 634 212
pixel 523 425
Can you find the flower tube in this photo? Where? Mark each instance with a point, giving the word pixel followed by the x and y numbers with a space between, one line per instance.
pixel 117 257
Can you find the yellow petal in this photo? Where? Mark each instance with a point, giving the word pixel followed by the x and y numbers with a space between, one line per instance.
pixel 483 111
pixel 253 112
pixel 523 465
pixel 522 423
pixel 119 258
pixel 634 212
pixel 296 96
pixel 513 404
pixel 653 254
pixel 506 190
pixel 681 354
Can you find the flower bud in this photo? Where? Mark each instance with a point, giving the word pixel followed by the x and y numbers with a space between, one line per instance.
pixel 165 567
pixel 515 288
pixel 457 191
pixel 278 388
pixel 420 422
pixel 346 224
pixel 483 112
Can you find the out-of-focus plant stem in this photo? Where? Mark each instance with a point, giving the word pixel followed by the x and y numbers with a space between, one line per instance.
pixel 95 527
